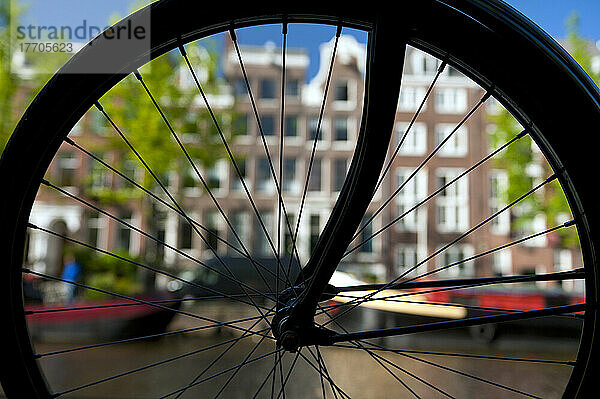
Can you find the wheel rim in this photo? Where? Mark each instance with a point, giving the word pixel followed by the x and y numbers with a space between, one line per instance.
pixel 523 111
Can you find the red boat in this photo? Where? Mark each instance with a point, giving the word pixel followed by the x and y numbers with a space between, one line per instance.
pixel 101 319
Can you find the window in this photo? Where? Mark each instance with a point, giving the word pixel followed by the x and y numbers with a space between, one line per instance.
pixel 340 166
pixel 341 91
pixel 67 169
pixel 184 234
pixel 236 183
pixel 530 227
pixel 261 242
pixel 287 235
pixel 365 235
pixel 290 182
pixel 264 182
pixel 412 191
pixel 563 261
pixel 450 100
pixel 216 175
pixel 498 181
pixel 455 140
pixel 502 262
pixel 315 179
pixel 240 125
pixel 241 223
pixel 410 98
pixel 124 232
pixel 405 258
pixel 415 142
pixel 453 71
pixel 130 169
pixel 160 223
pixel 267 89
pixel 268 125
pixel 99 176
pixel 313 125
pixel 99 123
pixel 453 256
pixel 189 181
pixel 213 222
pixel 423 64
pixel 240 88
pixel 96 226
pixel 315 230
pixel 452 203
pixel 292 88
pixel 340 126
pixel 291 126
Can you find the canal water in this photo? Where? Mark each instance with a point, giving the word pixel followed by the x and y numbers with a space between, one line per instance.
pixel 355 372
pixel 183 359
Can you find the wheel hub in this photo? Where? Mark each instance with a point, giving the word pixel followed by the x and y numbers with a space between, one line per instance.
pixel 293 334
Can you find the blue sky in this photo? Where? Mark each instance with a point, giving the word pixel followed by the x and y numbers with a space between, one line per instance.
pixel 549 14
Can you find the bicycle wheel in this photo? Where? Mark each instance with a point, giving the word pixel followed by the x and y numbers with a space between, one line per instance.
pixel 284 306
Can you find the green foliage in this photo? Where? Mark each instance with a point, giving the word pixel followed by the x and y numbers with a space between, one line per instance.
pixel 18 89
pixel 8 81
pixel 108 273
pixel 520 155
pixel 133 111
pixel 579 47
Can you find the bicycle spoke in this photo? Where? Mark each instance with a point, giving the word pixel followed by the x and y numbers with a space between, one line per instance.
pixel 141 301
pixel 392 299
pixel 473 321
pixel 410 124
pixel 153 269
pixel 509 279
pixel 221 355
pixel 157 198
pixel 435 193
pixel 228 149
pixel 307 360
pixel 206 186
pixel 464 374
pixel 281 147
pixel 287 377
pixel 278 187
pixel 416 377
pixel 557 276
pixel 146 337
pixel 465 355
pixel 463 235
pixel 424 162
pixel 146 367
pixel 220 373
pixel 320 363
pixel 271 372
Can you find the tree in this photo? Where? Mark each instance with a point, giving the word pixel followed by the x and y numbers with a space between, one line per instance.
pixel 517 158
pixel 17 89
pixel 9 82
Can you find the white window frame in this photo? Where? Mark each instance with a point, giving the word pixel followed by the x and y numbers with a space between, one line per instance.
pixel 412 193
pixel 410 98
pixel 352 89
pixel 457 145
pixel 468 268
pixel 423 64
pixel 500 224
pixel 219 169
pixel 407 250
pixel 455 203
pixel 502 262
pixel 415 142
pixel 450 100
